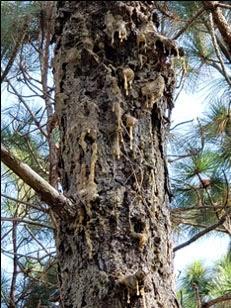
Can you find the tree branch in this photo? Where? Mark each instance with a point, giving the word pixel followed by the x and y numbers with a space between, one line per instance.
pixel 42 209
pixel 220 21
pixel 220 299
pixel 202 233
pixel 189 22
pixel 58 202
pixel 181 123
pixel 26 221
pixel 217 51
pixel 14 52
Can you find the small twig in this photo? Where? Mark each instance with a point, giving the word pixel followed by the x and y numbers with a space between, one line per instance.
pixel 26 221
pixel 15 261
pixel 167 12
pixel 227 188
pixel 36 240
pixel 35 157
pixel 27 107
pixel 25 203
pixel 178 124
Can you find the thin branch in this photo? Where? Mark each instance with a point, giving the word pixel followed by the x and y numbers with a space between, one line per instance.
pixel 165 11
pixel 45 172
pixel 35 278
pixel 224 49
pixel 197 295
pixel 4 235
pixel 195 208
pixel 189 22
pixel 225 6
pixel 25 203
pixel 14 52
pixel 185 122
pixel 26 221
pixel 15 261
pixel 196 225
pixel 58 202
pixel 227 190
pixel 36 240
pixel 27 107
pixel 202 233
pixel 220 299
pixel 216 48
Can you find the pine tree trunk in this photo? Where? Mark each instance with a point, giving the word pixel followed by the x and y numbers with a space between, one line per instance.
pixel 114 84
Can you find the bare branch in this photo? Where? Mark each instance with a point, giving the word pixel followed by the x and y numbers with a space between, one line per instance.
pixel 202 233
pixel 58 202
pixel 36 240
pixel 178 124
pixel 197 294
pixel 15 261
pixel 225 6
pixel 220 21
pixel 189 22
pixel 220 299
pixel 217 51
pixel 14 52
pixel 25 203
pixel 27 107
pixel 26 221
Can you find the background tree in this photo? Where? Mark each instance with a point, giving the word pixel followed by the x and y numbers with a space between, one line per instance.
pixel 27 232
pixel 203 287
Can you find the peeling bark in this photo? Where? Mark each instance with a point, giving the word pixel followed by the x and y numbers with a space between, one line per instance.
pixel 114 85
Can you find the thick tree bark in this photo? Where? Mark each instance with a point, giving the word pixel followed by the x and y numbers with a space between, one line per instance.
pixel 114 84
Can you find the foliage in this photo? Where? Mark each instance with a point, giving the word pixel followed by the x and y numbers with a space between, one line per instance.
pixel 14 16
pixel 206 283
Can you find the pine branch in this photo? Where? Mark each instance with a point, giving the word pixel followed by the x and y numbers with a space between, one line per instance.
pixel 202 233
pixel 14 52
pixel 189 22
pixel 26 221
pixel 27 204
pixel 220 21
pixel 220 299
pixel 58 202
pixel 217 51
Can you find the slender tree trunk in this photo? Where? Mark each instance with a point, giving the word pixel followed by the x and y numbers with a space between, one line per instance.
pixel 114 84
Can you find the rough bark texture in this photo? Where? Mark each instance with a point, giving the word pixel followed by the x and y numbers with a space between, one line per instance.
pixel 114 84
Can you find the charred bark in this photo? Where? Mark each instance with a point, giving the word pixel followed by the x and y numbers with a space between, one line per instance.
pixel 114 84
